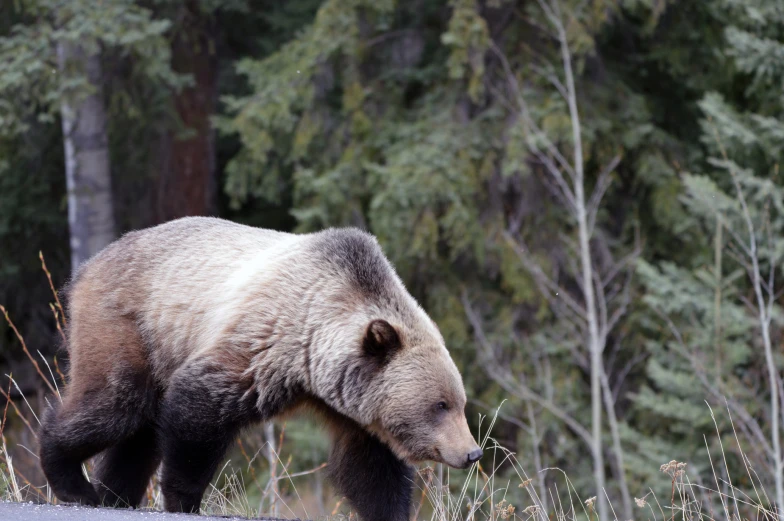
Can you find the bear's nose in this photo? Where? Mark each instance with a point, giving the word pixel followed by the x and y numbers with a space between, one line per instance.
pixel 474 455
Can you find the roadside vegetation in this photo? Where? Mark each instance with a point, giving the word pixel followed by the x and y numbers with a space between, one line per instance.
pixel 585 196
pixel 259 479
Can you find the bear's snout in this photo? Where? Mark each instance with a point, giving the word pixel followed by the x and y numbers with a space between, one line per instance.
pixel 463 460
pixel 456 446
pixel 470 458
pixel 474 455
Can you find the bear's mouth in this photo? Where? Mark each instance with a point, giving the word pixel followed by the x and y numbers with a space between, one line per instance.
pixel 437 457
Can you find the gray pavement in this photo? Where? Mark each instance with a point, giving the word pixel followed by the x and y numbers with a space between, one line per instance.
pixel 34 512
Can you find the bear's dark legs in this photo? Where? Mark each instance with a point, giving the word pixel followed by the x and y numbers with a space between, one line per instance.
pixel 198 421
pixel 188 467
pixel 124 470
pixel 63 449
pixel 375 481
pixel 84 425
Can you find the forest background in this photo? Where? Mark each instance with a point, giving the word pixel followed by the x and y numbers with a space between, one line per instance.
pixel 583 194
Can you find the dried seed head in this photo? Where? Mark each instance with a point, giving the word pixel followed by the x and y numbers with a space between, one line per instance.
pixel 590 502
pixel 673 467
pixel 532 510
pixel 640 501
pixel 505 509
pixel 509 512
pixel 525 483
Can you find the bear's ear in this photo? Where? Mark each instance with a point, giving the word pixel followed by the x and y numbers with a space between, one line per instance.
pixel 381 339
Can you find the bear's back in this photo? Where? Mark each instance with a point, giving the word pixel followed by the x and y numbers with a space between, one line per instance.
pixel 184 282
pixel 170 261
pixel 178 281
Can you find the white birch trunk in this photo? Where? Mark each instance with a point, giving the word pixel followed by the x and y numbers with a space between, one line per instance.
pixel 765 315
pixel 272 459
pixel 595 343
pixel 87 169
pixel 765 318
pixel 615 433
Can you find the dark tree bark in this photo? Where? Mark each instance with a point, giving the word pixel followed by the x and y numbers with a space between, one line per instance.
pixel 186 184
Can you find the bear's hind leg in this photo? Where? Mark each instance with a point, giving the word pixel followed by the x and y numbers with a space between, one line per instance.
pixel 62 453
pixel 124 470
pixel 375 481
pixel 84 425
pixel 110 395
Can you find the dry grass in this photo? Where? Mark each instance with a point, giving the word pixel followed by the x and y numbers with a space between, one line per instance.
pixel 503 491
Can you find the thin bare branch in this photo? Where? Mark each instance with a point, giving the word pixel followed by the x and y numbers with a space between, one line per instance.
pixel 622 307
pixel 513 385
pixel 602 184
pixel 717 393
pixel 550 13
pixel 21 416
pixel 523 107
pixel 764 319
pixel 609 405
pixel 622 264
pixel 601 303
pixel 552 78
pixel 54 291
pixel 525 257
pixel 620 376
pixel 24 348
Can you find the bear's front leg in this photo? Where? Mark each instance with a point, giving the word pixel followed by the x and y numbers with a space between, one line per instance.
pixel 366 471
pixel 201 413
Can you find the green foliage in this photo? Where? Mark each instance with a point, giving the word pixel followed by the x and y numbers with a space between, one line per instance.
pixel 401 118
pixel 33 218
pixel 468 38
pixel 426 154
pixel 37 83
pixel 712 344
pixel 280 115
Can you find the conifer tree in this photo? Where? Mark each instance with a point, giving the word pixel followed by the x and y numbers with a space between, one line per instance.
pixel 722 311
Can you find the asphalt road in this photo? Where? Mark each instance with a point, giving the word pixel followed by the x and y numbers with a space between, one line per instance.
pixel 34 512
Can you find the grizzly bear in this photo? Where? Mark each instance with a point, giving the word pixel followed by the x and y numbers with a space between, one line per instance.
pixel 182 334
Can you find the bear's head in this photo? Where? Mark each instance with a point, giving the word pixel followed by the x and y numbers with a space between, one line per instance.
pixel 417 396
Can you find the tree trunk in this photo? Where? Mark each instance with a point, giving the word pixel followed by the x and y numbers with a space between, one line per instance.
pixel 718 245
pixel 765 315
pixel 186 184
pixel 272 459
pixel 318 487
pixel 620 471
pixel 87 169
pixel 595 340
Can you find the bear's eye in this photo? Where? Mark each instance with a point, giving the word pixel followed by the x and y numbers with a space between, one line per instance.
pixel 442 406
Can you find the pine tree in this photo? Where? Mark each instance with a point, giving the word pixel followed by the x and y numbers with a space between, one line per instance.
pixel 722 312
